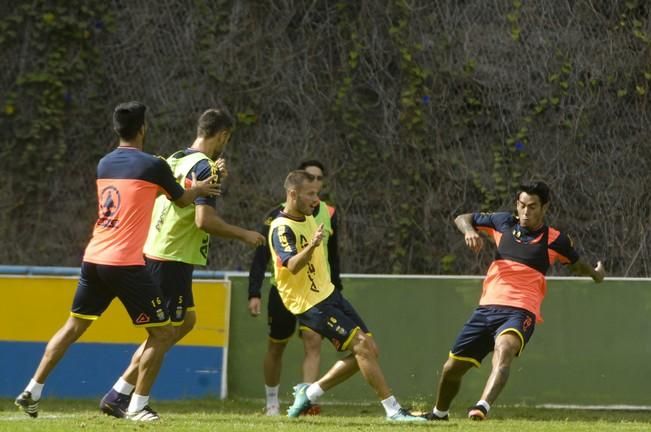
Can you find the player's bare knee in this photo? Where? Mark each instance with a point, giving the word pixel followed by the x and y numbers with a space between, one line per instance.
pixel 276 349
pixel 364 346
pixel 453 368
pixel 311 342
pixel 162 336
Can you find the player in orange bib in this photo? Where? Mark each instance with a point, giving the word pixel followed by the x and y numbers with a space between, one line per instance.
pixel 128 181
pixel 512 293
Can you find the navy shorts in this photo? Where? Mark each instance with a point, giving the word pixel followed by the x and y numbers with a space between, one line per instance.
pixel 281 322
pixel 99 284
pixel 477 338
pixel 175 281
pixel 335 319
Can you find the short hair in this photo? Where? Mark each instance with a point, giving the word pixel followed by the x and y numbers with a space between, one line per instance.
pixel 535 188
pixel 213 121
pixel 128 118
pixel 314 163
pixel 296 178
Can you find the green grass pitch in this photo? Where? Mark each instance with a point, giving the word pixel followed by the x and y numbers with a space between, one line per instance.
pixel 243 415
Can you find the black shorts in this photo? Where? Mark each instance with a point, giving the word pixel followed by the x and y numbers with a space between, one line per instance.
pixel 281 322
pixel 175 281
pixel 99 284
pixel 335 319
pixel 477 338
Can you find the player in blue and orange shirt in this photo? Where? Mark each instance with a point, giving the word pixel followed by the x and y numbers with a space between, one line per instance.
pixel 128 181
pixel 513 291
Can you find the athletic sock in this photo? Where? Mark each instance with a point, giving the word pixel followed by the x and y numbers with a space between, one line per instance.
pixel 391 406
pixel 35 389
pixel 123 387
pixel 438 413
pixel 272 395
pixel 138 402
pixel 483 403
pixel 314 392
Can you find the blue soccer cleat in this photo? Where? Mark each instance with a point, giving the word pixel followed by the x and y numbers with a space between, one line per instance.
pixel 405 416
pixel 301 402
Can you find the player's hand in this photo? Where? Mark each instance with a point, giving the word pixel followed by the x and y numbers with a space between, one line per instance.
pixel 473 240
pixel 254 238
pixel 600 272
pixel 221 167
pixel 206 187
pixel 318 236
pixel 255 306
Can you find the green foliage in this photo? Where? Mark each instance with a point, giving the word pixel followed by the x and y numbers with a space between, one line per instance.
pixel 37 106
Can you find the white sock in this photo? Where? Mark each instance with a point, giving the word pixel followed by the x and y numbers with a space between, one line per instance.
pixel 138 402
pixel 314 392
pixel 121 386
pixel 438 413
pixel 272 395
pixel 484 404
pixel 35 388
pixel 391 406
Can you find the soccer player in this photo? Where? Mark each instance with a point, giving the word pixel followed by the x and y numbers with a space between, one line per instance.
pixel 303 281
pixel 512 294
pixel 128 181
pixel 282 322
pixel 178 240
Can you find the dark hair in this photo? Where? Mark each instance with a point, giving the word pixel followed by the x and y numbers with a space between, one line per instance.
pixel 214 121
pixel 314 163
pixel 535 188
pixel 296 178
pixel 128 118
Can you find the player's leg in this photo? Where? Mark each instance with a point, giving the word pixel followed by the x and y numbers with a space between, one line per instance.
pixel 312 354
pixel 514 329
pixel 74 327
pixel 507 345
pixel 175 281
pixel 91 299
pixel 336 320
pixel 281 325
pixel 449 385
pixel 144 302
pixel 474 342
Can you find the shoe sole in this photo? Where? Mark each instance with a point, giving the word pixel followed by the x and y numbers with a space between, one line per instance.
pixel 476 415
pixel 111 411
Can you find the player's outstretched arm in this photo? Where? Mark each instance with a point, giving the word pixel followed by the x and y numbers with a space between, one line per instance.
pixel 199 188
pixel 207 219
pixel 583 268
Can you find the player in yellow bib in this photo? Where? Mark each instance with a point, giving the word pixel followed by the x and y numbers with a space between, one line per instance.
pixel 179 238
pixel 301 272
pixel 281 322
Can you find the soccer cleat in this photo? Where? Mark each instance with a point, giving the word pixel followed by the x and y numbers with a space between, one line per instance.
pixel 405 416
pixel 144 415
pixel 301 402
pixel 272 410
pixel 433 417
pixel 115 404
pixel 312 411
pixel 25 402
pixel 477 413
